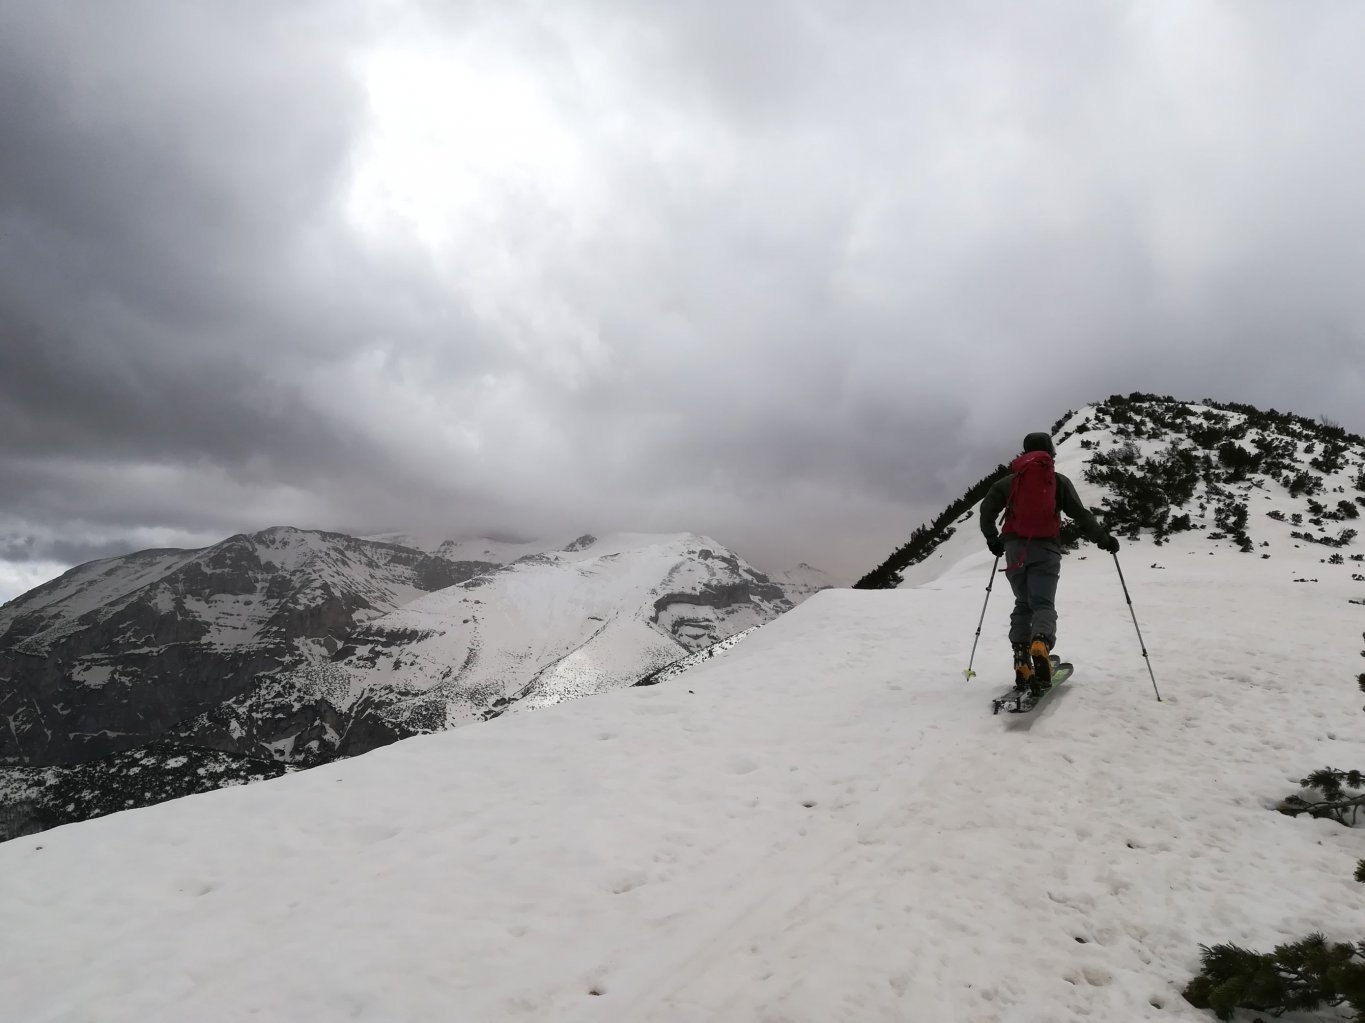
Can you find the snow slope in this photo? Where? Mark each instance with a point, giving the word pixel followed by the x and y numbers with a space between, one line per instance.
pixel 595 615
pixel 824 824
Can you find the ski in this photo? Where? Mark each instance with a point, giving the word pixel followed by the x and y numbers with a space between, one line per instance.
pixel 1016 701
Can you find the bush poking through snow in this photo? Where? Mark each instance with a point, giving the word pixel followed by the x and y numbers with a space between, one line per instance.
pixel 1338 802
pixel 1308 974
pixel 1231 517
pixel 1144 492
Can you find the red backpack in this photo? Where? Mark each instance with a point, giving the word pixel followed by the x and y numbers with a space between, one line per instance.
pixel 1032 508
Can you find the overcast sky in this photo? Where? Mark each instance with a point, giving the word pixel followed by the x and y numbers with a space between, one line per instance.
pixel 792 274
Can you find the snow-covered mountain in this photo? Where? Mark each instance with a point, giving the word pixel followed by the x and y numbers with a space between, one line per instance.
pixel 115 652
pixel 825 823
pixel 482 549
pixel 294 647
pixel 595 615
pixel 803 581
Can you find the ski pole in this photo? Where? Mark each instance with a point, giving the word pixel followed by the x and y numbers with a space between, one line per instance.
pixel 1141 642
pixel 969 673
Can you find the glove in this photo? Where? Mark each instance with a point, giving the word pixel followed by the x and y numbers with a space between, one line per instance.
pixel 996 547
pixel 1109 544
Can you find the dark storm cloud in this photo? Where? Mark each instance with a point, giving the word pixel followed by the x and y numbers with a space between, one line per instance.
pixel 794 275
pixel 118 403
pixel 173 276
pixel 24 549
pixel 150 197
pixel 158 153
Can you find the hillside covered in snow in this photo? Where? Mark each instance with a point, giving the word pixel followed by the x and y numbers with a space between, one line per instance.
pixel 115 652
pixel 1255 481
pixel 824 823
pixel 596 615
pixel 161 673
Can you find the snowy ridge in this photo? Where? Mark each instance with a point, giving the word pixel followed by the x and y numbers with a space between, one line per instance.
pixel 1133 433
pixel 88 588
pixel 218 586
pixel 496 552
pixel 685 664
pixel 826 824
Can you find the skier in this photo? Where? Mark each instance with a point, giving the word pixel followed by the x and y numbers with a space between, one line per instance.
pixel 1033 497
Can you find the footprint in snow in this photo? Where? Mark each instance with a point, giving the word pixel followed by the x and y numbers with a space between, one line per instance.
pixel 369 834
pixel 626 881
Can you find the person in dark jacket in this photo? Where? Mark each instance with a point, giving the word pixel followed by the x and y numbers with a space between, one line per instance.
pixel 1033 566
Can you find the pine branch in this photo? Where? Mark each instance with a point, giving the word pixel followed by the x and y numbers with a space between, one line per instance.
pixel 1304 975
pixel 1339 809
pixel 1337 803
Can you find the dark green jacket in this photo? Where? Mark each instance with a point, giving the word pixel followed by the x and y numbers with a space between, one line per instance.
pixel 1068 502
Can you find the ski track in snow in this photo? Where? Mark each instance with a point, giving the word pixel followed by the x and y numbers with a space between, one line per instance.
pixel 826 823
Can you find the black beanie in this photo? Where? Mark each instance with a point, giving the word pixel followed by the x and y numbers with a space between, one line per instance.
pixel 1039 442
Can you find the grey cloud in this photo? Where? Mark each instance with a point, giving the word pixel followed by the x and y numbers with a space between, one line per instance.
pixel 807 272
pixel 22 549
pixel 59 396
pixel 157 152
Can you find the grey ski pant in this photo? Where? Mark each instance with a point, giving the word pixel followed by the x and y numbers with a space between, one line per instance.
pixel 1033 568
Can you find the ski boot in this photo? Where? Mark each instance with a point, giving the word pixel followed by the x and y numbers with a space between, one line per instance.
pixel 1040 650
pixel 1023 668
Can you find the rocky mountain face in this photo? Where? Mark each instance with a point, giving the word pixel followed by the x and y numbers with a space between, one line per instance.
pixel 167 672
pixel 117 652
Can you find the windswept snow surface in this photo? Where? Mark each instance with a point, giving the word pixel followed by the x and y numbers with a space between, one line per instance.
pixel 824 824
